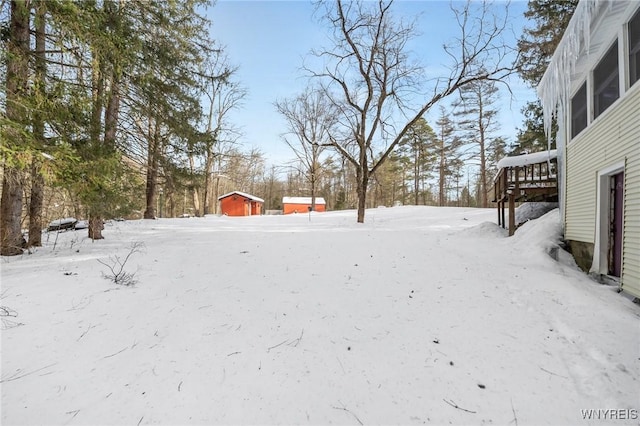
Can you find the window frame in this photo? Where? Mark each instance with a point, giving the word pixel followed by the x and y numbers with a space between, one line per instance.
pixel 633 51
pixel 583 110
pixel 604 78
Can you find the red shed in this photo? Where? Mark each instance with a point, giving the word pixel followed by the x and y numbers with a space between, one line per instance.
pixel 301 204
pixel 238 203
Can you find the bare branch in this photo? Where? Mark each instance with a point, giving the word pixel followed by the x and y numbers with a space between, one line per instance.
pixel 454 405
pixel 378 91
pixel 116 266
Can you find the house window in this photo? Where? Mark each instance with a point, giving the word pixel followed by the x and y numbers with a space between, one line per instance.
pixel 634 48
pixel 579 111
pixel 605 81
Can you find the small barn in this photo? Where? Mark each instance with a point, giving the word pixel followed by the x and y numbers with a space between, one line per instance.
pixel 238 203
pixel 301 204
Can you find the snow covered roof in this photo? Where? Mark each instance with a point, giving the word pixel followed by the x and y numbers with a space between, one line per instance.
pixel 242 194
pixel 593 27
pixel 302 200
pixel 523 160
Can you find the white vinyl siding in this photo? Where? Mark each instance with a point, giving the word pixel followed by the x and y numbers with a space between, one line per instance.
pixel 613 137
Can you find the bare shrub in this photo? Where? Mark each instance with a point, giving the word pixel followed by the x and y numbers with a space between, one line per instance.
pixel 116 265
pixel 7 323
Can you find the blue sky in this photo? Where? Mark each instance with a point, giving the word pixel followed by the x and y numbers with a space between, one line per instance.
pixel 269 40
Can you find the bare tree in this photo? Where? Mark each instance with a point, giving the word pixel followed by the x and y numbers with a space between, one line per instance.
pixel 224 95
pixel 368 76
pixel 310 118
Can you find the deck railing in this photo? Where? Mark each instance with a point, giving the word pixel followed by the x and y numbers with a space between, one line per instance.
pixel 525 182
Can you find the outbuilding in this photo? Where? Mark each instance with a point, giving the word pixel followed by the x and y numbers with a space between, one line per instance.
pixel 302 204
pixel 238 203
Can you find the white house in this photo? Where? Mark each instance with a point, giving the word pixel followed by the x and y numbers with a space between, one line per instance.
pixel 592 87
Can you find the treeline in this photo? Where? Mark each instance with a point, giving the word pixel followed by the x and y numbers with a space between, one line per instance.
pixel 121 109
pixel 104 106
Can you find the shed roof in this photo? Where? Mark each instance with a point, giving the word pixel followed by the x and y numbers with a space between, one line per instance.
pixel 523 160
pixel 301 200
pixel 242 194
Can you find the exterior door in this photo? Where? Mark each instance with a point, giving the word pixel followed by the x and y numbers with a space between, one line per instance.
pixel 616 218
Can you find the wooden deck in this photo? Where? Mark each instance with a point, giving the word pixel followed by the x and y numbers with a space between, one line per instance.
pixel 524 182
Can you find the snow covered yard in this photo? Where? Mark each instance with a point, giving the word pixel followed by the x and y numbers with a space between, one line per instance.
pixel 420 315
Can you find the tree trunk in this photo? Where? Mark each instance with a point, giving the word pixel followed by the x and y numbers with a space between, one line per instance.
pixel 196 201
pixel 36 199
pixel 483 178
pixel 11 240
pixel 36 203
pixel 111 114
pixel 483 169
pixel 96 219
pixel 313 191
pixel 172 205
pixel 216 194
pixel 94 231
pixel 195 197
pixel 416 177
pixel 97 95
pixel 152 172
pixel 207 183
pixel 151 198
pixel 362 176
pixel 96 225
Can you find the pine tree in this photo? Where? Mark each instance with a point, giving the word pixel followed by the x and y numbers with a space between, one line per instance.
pixel 164 98
pixel 497 149
pixel 417 151
pixel 447 150
pixel 15 139
pixel 478 119
pixel 36 199
pixel 536 47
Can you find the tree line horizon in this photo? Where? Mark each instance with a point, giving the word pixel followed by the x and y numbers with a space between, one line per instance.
pixel 117 109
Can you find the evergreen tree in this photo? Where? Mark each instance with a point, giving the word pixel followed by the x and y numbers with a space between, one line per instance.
pixel 388 183
pixel 447 150
pixel 478 119
pixel 531 138
pixel 15 129
pixel 417 151
pixel 497 150
pixel 92 64
pixel 536 47
pixel 165 94
pixel 36 199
